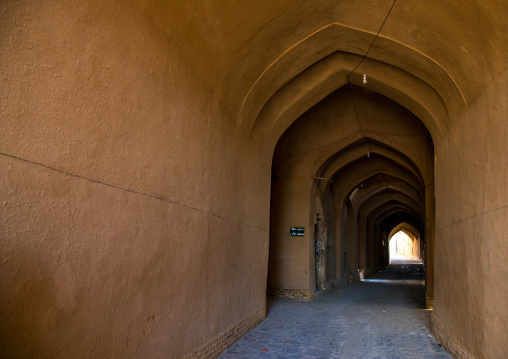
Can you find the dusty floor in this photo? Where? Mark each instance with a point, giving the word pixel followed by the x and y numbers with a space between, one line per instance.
pixel 382 317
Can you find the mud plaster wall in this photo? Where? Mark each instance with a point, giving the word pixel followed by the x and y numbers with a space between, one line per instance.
pixel 471 220
pixel 138 238
pixel 130 218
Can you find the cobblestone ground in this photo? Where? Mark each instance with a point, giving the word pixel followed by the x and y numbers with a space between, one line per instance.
pixel 382 317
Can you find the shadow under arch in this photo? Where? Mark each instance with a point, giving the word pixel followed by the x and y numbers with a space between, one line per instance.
pixel 365 148
pixel 367 216
pixel 389 184
pixel 412 200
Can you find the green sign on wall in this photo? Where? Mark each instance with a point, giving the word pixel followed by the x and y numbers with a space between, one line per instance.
pixel 296 231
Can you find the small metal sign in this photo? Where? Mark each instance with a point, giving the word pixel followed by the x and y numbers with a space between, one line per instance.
pixel 296 231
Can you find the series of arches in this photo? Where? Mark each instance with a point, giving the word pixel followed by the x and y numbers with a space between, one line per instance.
pixel 313 79
pixel 139 138
pixel 319 63
pixel 350 193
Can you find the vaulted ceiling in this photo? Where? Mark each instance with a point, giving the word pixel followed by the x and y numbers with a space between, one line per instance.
pixel 270 61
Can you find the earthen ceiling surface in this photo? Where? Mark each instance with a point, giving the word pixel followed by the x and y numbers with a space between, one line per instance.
pixel 448 50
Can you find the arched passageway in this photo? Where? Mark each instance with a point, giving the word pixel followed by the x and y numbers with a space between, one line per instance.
pixel 349 170
pixel 405 243
pixel 155 154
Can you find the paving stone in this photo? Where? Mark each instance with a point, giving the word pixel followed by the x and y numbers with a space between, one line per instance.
pixel 383 318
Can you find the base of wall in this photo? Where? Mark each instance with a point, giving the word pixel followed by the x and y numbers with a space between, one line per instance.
pixel 451 347
pixel 225 340
pixel 354 277
pixel 429 302
pixel 369 271
pixel 298 294
pixel 337 283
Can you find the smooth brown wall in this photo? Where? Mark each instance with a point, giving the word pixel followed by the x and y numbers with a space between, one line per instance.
pixel 134 213
pixel 471 218
pixel 131 220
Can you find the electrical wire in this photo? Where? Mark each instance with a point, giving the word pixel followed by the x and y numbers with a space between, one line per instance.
pixel 373 41
pixel 361 61
pixel 356 113
pixel 351 85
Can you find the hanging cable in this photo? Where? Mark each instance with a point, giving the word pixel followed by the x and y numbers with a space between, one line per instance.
pixel 373 41
pixel 365 82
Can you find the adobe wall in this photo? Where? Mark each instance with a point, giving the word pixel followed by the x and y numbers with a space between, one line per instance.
pixel 471 308
pixel 134 212
pixel 133 216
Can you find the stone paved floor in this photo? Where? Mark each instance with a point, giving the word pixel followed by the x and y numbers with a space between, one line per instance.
pixel 382 317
